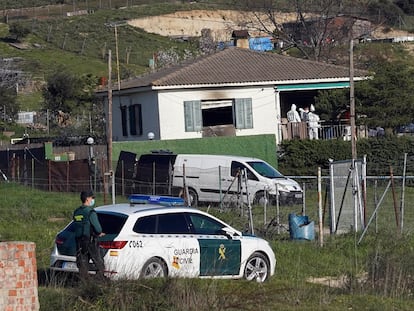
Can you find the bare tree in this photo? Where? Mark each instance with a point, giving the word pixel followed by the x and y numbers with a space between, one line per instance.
pixel 172 56
pixel 207 44
pixel 10 80
pixel 167 58
pixel 10 77
pixel 317 27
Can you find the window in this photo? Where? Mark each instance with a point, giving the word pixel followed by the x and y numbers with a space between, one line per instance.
pixel 124 121
pixel 265 170
pixel 135 119
pixel 173 223
pixel 237 112
pixel 202 224
pixel 243 113
pixel 162 224
pixel 237 166
pixel 192 116
pixel 217 112
pixel 147 224
pixel 112 223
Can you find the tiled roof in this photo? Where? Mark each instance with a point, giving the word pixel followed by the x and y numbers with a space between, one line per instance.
pixel 239 66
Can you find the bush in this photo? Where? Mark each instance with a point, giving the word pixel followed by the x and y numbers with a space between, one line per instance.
pixel 18 31
pixel 303 157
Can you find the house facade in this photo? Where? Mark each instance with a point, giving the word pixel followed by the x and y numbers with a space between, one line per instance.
pixel 234 92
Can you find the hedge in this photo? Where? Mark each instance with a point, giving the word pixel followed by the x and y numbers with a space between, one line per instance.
pixel 303 157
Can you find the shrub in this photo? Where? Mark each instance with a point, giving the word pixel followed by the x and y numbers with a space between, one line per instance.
pixel 303 157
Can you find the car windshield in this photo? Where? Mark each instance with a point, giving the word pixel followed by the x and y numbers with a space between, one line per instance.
pixel 111 223
pixel 265 169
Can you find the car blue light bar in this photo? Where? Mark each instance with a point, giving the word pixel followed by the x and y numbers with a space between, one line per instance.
pixel 155 199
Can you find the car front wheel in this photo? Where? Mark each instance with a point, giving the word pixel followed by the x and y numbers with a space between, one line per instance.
pixel 154 268
pixel 257 268
pixel 193 198
pixel 260 199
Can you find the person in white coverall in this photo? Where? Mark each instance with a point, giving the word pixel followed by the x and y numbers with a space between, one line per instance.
pixel 293 122
pixel 313 123
pixel 293 114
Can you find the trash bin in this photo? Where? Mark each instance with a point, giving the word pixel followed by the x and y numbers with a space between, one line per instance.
pixel 300 228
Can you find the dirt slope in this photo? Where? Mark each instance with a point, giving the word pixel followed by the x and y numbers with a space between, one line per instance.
pixel 221 22
pixel 190 23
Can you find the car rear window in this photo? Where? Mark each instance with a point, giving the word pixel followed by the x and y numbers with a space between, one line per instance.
pixel 112 223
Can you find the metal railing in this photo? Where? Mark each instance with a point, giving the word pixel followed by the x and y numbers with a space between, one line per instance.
pixel 326 130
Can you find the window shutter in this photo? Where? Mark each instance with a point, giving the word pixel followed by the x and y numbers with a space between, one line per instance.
pixel 135 119
pixel 124 121
pixel 192 116
pixel 243 113
pixel 132 121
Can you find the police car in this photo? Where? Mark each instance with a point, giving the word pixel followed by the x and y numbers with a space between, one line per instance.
pixel 155 236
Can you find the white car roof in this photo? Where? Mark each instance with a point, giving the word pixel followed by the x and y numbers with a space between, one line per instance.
pixel 130 209
pixel 143 202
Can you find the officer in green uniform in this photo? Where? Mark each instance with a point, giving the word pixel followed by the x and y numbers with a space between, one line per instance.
pixel 87 230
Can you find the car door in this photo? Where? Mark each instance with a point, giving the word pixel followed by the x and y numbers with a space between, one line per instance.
pixel 220 254
pixel 179 245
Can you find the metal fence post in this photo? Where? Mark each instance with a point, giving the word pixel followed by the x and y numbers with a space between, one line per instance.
pixel 320 212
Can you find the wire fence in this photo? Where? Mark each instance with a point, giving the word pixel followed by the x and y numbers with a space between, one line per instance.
pixel 43 9
pixel 388 200
pixel 388 196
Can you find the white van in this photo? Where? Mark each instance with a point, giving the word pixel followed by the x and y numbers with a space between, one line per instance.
pixel 212 178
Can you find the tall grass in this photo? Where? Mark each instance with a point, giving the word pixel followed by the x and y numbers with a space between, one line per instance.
pixel 376 274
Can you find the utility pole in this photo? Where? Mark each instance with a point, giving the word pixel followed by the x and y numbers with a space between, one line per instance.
pixel 109 123
pixel 109 128
pixel 117 59
pixel 352 98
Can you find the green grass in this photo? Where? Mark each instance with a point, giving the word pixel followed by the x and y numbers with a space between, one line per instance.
pixel 33 215
pixel 30 101
pixel 81 43
pixel 385 259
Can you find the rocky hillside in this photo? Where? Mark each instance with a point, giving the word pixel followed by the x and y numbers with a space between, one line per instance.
pixel 222 23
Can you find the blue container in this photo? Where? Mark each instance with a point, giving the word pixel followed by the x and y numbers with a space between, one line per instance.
pixel 300 228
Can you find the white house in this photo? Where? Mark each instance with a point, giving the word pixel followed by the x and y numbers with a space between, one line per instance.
pixel 232 92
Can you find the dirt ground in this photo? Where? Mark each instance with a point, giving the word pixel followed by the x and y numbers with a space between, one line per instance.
pixel 222 23
pixel 190 23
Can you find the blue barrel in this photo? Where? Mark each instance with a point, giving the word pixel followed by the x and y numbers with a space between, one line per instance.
pixel 300 228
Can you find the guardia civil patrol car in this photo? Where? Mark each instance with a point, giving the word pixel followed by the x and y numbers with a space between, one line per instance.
pixel 156 236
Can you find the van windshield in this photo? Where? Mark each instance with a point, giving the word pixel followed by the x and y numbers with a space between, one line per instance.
pixel 265 169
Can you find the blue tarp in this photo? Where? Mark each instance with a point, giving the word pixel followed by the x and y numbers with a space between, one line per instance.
pixel 261 44
pixel 301 228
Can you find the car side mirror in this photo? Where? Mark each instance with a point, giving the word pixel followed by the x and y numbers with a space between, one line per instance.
pixel 229 233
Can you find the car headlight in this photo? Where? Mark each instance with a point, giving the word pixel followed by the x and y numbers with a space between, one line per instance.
pixel 282 187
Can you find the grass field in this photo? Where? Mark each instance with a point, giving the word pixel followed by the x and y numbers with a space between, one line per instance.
pixel 373 275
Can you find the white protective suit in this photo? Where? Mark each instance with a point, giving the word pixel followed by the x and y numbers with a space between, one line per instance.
pixel 313 123
pixel 292 114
